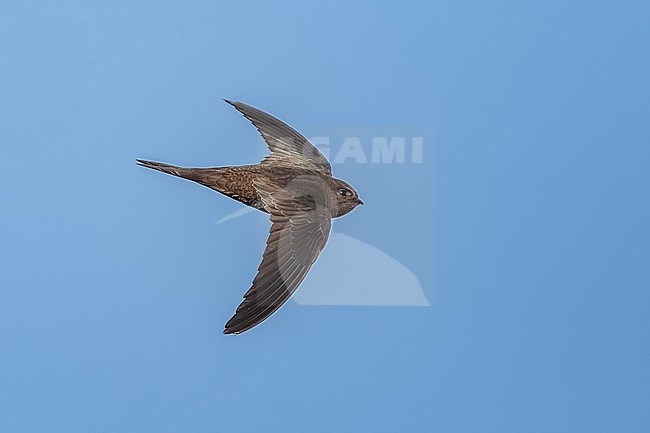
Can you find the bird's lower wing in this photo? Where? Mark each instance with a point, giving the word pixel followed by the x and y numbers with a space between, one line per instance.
pixel 300 227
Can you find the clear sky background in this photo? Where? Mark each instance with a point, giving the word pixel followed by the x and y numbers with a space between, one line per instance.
pixel 527 223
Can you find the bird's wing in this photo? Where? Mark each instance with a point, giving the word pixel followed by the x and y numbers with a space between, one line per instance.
pixel 301 226
pixel 287 145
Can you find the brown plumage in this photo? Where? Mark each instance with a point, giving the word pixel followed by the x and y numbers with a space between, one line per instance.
pixel 294 184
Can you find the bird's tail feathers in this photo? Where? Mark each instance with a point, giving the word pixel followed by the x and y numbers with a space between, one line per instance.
pixel 204 176
pixel 165 168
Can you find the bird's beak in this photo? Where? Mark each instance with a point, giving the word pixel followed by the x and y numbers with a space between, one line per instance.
pixel 359 201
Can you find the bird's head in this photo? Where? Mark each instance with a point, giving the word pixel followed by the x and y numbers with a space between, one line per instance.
pixel 345 197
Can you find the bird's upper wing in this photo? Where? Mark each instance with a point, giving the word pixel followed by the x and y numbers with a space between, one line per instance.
pixel 301 226
pixel 287 145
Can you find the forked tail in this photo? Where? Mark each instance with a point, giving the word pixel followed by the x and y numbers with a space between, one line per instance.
pixel 165 168
pixel 200 175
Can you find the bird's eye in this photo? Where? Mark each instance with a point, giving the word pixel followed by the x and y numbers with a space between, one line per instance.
pixel 344 192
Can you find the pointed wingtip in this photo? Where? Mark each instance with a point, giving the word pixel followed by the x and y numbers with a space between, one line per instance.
pixel 240 106
pixel 236 104
pixel 229 331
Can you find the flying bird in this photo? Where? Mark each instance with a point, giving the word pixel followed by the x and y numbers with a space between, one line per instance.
pixel 295 186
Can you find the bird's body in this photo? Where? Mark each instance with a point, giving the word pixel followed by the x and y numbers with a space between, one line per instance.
pixel 294 184
pixel 236 182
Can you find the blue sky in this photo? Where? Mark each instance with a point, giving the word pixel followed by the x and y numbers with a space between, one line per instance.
pixel 526 223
